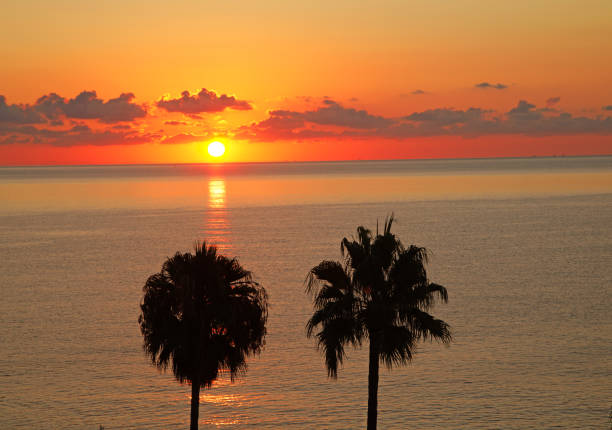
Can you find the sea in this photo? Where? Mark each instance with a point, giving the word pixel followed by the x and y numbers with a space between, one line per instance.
pixel 524 247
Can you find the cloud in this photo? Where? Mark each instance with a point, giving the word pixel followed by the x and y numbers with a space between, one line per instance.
pixel 302 125
pixel 445 116
pixel 203 102
pixel 524 118
pixel 121 127
pixel 280 125
pixel 18 114
pixel 417 92
pixel 444 121
pixel 524 109
pixel 486 85
pixel 87 119
pixel 184 138
pixel 334 114
pixel 77 135
pixel 45 121
pixel 87 105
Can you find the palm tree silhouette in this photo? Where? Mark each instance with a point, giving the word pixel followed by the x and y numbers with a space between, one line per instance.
pixel 202 313
pixel 381 293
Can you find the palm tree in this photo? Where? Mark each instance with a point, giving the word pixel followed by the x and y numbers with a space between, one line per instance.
pixel 380 292
pixel 202 313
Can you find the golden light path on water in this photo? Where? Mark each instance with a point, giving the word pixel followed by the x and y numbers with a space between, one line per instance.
pixel 216 194
pixel 217 232
pixel 217 228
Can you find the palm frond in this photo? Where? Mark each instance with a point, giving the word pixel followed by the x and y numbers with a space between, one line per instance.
pixel 336 333
pixel 396 345
pixel 329 273
pixel 425 326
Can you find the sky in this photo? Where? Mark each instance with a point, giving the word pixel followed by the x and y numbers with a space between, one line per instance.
pixel 155 82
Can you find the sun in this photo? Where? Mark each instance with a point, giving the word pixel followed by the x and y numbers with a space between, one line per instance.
pixel 216 149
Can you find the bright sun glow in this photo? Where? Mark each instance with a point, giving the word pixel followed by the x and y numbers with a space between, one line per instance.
pixel 216 149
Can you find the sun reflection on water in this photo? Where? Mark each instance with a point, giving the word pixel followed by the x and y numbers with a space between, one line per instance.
pixel 216 194
pixel 217 229
pixel 220 421
pixel 221 399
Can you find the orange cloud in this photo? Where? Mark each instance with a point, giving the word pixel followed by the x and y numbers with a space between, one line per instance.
pixel 203 102
pixel 87 105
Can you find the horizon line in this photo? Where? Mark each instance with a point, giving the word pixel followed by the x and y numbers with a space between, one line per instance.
pixel 304 161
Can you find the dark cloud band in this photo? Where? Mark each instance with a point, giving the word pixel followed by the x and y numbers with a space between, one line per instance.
pixel 524 118
pixel 486 85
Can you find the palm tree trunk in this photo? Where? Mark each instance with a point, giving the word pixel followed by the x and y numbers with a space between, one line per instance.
pixel 373 385
pixel 195 403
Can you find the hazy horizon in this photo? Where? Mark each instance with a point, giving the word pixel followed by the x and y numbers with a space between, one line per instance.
pixel 220 163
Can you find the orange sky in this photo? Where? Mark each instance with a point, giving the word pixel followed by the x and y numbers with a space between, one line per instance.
pixel 311 80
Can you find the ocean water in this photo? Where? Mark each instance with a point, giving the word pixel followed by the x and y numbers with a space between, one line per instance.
pixel 524 247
